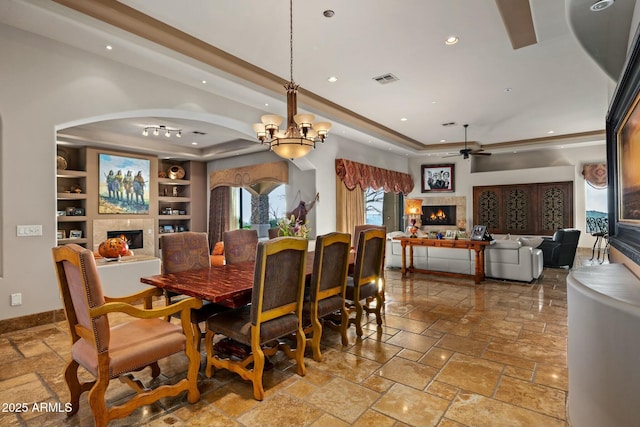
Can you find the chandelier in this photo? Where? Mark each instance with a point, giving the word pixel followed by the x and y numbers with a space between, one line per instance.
pixel 301 134
pixel 157 130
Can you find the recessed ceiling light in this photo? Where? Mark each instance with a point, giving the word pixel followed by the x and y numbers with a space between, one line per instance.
pixel 451 40
pixel 328 13
pixel 434 102
pixel 204 82
pixel 109 47
pixel 332 79
pixel 601 5
pixel 507 89
pixel 266 104
pixel 194 143
pixel 552 131
pixel 443 140
pixel 404 119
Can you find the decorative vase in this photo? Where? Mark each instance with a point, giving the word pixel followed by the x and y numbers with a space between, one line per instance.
pixel 113 248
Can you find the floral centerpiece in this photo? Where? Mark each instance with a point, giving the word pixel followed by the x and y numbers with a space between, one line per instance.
pixel 293 227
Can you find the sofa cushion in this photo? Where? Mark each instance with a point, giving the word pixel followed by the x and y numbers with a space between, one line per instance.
pixel 534 242
pixel 505 244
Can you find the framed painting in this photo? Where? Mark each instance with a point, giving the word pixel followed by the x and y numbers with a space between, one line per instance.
pixel 623 156
pixel 438 178
pixel 123 185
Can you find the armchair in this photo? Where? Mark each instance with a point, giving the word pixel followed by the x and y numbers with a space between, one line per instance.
pixel 109 352
pixel 560 250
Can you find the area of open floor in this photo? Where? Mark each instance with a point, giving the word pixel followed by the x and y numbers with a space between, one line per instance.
pixel 449 354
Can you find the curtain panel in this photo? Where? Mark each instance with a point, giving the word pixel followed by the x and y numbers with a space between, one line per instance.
pixel 358 174
pixel 219 206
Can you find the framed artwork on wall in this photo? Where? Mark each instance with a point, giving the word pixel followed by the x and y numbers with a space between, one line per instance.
pixel 623 155
pixel 438 178
pixel 123 185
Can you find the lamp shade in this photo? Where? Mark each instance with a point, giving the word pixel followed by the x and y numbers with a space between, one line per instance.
pixel 413 207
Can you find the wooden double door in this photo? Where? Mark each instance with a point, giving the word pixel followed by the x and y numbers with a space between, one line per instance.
pixel 529 209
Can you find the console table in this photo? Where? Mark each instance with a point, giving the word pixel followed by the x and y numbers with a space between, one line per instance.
pixel 476 245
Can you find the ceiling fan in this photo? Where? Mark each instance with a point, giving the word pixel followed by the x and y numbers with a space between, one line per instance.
pixel 466 151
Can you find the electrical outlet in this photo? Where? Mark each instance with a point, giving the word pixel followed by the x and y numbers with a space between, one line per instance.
pixel 16 299
pixel 29 230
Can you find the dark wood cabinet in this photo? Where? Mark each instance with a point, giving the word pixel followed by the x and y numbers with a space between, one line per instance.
pixel 535 209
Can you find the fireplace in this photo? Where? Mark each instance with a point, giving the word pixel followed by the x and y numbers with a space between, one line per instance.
pixel 133 237
pixel 439 215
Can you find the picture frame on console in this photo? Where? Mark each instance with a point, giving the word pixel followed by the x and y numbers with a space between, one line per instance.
pixel 478 232
pixel 623 155
pixel 438 178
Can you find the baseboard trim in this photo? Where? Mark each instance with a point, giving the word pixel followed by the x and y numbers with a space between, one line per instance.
pixel 31 320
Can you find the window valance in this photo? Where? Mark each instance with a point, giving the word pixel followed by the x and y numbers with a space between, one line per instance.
pixel 277 172
pixel 595 174
pixel 354 173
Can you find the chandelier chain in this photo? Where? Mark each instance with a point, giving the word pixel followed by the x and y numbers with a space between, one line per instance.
pixel 291 39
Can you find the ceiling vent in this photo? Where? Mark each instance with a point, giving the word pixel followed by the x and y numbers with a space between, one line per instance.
pixel 197 132
pixel 386 78
pixel 449 124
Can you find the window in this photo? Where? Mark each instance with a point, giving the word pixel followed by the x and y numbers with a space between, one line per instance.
pixel 243 201
pixel 373 206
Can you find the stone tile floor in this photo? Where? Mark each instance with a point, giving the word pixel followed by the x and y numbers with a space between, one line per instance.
pixel 449 354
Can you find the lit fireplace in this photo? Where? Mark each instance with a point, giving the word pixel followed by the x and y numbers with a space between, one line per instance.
pixel 439 215
pixel 134 238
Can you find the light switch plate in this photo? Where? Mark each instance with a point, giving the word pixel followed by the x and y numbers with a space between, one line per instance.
pixel 29 230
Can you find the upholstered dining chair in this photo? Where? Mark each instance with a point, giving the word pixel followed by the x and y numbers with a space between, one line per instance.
pixel 356 235
pixel 109 352
pixel 183 251
pixel 365 281
pixel 275 312
pixel 327 288
pixel 240 245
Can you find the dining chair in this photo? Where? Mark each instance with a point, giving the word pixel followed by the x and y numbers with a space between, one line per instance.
pixel 240 245
pixel 327 289
pixel 365 281
pixel 275 312
pixel 356 233
pixel 108 352
pixel 183 251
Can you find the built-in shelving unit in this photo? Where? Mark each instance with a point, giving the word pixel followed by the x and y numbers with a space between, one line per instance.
pixel 71 189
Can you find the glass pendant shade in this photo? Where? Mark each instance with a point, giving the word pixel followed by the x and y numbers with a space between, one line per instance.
pixel 292 148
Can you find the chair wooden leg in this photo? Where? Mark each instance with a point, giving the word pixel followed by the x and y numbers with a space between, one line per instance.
pixel 358 320
pixel 208 344
pixel 97 393
pixel 301 343
pixel 258 366
pixel 344 325
pixel 76 388
pixel 316 328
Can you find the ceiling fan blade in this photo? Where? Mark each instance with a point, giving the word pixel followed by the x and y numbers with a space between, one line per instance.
pixel 451 155
pixel 479 153
pixel 517 19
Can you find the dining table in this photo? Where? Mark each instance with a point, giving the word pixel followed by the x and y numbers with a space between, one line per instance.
pixel 229 285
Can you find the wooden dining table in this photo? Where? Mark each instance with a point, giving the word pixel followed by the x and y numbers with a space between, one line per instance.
pixel 229 285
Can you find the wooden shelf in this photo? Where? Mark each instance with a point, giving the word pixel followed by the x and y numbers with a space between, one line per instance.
pixel 67 240
pixel 171 199
pixel 64 173
pixel 72 196
pixel 168 181
pixel 72 218
pixel 173 217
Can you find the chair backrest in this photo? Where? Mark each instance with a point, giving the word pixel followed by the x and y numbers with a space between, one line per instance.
pixel 183 251
pixel 240 245
pixel 359 228
pixel 369 255
pixel 569 244
pixel 279 277
pixel 273 232
pixel 81 290
pixel 330 266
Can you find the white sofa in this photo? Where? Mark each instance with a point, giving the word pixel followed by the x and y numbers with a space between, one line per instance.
pixel 507 259
pixel 512 260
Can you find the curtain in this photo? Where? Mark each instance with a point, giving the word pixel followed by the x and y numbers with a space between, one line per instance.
pixel 349 208
pixel 358 174
pixel 219 204
pixel 595 174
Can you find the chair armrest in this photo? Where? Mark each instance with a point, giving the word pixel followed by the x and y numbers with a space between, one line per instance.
pixel 145 295
pixel 183 306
